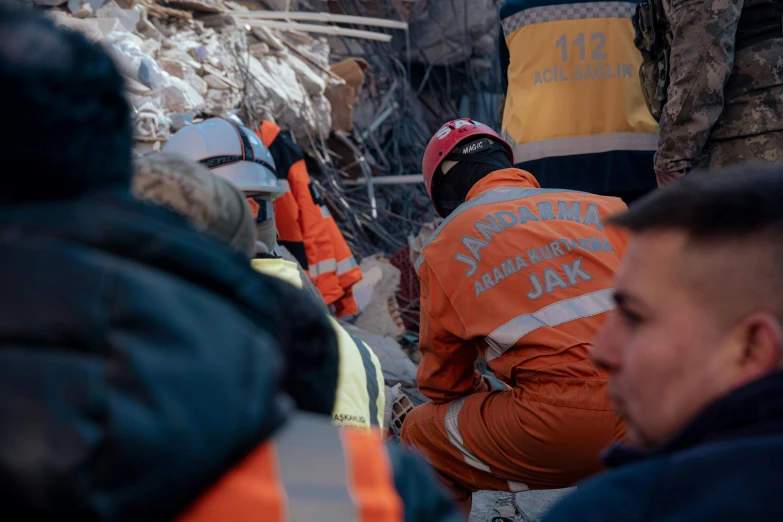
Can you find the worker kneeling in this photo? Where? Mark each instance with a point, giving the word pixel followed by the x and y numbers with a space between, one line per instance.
pixel 522 276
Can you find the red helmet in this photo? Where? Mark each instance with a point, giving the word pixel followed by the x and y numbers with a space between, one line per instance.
pixel 446 140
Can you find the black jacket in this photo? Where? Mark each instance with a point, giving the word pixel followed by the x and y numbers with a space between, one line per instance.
pixel 727 466
pixel 139 359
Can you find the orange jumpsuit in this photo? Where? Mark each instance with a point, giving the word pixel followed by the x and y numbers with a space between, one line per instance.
pixel 307 229
pixel 522 276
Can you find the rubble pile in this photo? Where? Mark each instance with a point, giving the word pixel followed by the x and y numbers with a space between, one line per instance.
pixel 189 59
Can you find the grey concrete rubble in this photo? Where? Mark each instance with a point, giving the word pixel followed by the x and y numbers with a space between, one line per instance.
pixel 182 58
pixel 528 506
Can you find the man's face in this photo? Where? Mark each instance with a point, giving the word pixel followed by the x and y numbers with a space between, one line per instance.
pixel 665 347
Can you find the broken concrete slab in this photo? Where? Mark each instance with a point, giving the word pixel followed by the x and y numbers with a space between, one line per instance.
pixel 180 96
pixel 184 72
pixel 79 9
pixel 528 506
pixel 533 505
pixel 489 504
pixel 377 317
pixel 127 17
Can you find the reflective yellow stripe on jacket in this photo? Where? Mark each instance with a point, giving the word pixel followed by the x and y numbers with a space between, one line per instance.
pixel 361 396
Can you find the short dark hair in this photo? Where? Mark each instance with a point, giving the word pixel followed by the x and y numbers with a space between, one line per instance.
pixel 730 203
pixel 67 122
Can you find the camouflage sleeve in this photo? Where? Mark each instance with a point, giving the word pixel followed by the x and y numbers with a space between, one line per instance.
pixel 702 57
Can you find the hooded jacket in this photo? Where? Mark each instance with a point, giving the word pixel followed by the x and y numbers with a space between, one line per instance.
pixel 139 359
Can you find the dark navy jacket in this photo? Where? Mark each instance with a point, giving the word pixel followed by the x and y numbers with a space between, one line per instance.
pixel 727 466
pixel 140 361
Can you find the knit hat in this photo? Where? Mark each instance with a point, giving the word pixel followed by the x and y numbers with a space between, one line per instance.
pixel 210 203
pixel 68 124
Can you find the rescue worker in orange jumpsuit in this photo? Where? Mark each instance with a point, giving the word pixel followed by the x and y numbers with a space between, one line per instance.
pixel 522 276
pixel 306 227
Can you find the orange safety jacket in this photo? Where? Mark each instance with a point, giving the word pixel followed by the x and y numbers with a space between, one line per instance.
pixel 310 471
pixel 300 223
pixel 307 228
pixel 520 274
pixel 348 271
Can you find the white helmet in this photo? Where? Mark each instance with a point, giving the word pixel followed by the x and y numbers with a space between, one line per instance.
pixel 231 151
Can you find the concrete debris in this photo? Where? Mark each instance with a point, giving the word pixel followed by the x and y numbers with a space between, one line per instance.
pixel 363 290
pixel 183 71
pixel 204 6
pixel 204 66
pixel 452 31
pixel 381 314
pixel 134 87
pixel 125 48
pixel 528 506
pixel 417 242
pixel 127 17
pixel 150 120
pixel 533 505
pixel 180 96
pixel 312 82
pixel 48 3
pixel 79 9
pixel 322 115
pixel 156 10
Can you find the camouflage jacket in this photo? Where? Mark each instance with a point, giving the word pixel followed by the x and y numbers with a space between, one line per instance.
pixel 714 93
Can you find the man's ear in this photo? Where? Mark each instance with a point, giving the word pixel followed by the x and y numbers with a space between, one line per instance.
pixel 761 336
